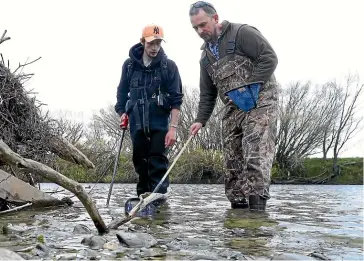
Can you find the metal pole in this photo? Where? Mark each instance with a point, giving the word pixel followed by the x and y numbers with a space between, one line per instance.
pixel 123 126
pixel 116 165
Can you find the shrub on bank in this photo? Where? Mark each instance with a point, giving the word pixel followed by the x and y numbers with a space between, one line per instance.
pixel 201 166
pixel 198 166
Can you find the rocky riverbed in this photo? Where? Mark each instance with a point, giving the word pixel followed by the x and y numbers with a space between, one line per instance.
pixel 301 223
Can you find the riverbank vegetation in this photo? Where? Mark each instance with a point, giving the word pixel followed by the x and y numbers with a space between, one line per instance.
pixel 312 120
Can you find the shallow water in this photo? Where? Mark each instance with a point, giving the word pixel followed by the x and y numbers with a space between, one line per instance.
pixel 299 219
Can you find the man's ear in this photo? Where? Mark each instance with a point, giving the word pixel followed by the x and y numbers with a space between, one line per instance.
pixel 142 41
pixel 216 18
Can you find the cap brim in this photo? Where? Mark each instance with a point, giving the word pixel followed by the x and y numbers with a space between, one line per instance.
pixel 152 38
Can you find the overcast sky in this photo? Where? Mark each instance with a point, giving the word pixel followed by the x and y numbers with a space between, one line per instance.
pixel 83 44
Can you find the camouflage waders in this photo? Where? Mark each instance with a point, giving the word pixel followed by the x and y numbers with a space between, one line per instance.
pixel 248 137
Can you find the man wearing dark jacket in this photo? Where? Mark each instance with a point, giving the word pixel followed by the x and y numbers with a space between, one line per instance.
pixel 237 64
pixel 150 94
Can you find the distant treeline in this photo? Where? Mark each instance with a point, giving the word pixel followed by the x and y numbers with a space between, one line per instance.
pixel 311 120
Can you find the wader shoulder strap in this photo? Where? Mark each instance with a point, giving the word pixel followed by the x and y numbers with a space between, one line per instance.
pixel 205 63
pixel 231 44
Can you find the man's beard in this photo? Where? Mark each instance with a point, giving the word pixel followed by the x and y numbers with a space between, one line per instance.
pixel 210 38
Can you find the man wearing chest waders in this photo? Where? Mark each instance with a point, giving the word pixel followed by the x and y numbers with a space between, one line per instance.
pixel 150 94
pixel 237 64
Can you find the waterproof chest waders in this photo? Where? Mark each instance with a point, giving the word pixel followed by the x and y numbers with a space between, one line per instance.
pixel 249 122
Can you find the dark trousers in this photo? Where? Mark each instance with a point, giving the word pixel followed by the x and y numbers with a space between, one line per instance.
pixel 150 160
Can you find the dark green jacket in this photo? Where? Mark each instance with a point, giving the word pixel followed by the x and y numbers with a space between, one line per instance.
pixel 251 43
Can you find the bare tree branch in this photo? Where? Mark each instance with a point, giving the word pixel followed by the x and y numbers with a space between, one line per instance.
pixel 3 38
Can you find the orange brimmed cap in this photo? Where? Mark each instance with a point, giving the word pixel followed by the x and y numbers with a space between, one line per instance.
pixel 152 32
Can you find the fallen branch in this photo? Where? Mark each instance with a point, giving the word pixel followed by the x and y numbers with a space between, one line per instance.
pixel 65 150
pixel 12 158
pixel 15 209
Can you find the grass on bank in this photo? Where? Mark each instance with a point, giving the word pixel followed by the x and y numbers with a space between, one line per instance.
pixel 205 167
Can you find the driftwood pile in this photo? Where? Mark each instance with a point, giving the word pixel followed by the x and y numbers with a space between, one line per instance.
pixel 29 140
pixel 24 128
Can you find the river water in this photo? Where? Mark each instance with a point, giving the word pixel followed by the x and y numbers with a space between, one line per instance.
pixel 300 219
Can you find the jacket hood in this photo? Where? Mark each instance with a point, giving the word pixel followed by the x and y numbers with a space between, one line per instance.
pixel 136 54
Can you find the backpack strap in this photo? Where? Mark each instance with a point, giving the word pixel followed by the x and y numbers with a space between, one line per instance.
pixel 164 68
pixel 129 72
pixel 164 73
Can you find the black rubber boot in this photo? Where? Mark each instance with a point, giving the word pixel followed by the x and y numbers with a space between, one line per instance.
pixel 257 203
pixel 241 204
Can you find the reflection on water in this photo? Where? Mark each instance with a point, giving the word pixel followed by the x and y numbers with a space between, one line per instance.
pixel 299 219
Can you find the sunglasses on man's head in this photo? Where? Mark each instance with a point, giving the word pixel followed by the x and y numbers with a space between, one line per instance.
pixel 200 4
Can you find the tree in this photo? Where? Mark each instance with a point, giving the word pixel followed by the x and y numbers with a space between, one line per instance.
pixel 71 130
pixel 347 123
pixel 330 94
pixel 303 118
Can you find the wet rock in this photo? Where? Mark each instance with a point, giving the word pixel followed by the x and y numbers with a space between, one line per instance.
pixel 67 256
pixel 94 242
pixel 238 232
pixel 164 247
pixel 174 246
pixel 6 244
pixel 181 243
pixel 89 254
pixel 72 216
pixel 120 253
pixel 231 254
pixel 320 256
pixel 16 237
pixel 26 249
pixel 7 254
pixel 205 255
pixel 40 222
pixel 133 257
pixel 56 246
pixel 136 239
pixel 15 229
pixel 81 229
pixel 41 250
pixel 291 256
pixel 26 256
pixel 151 252
pixel 111 245
pixel 197 241
pixel 199 255
pixel 60 234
